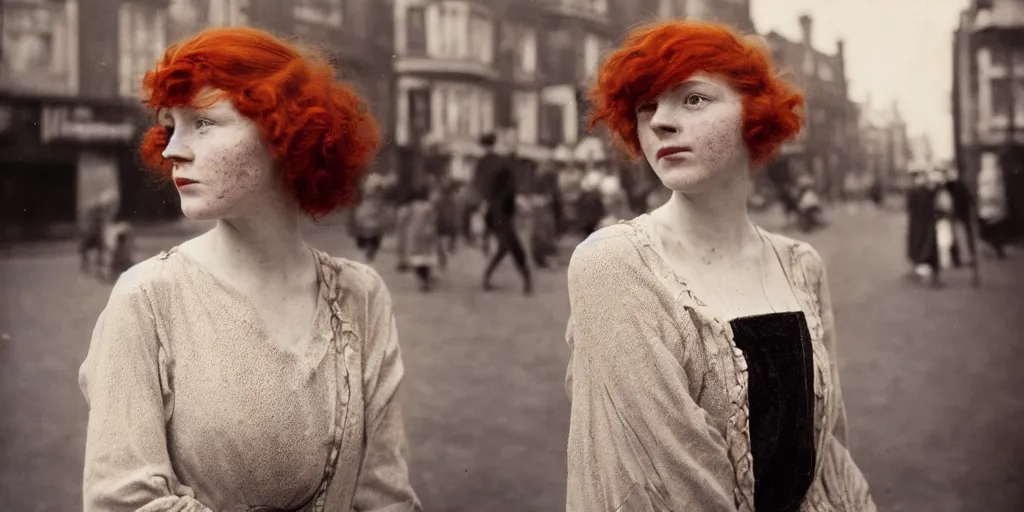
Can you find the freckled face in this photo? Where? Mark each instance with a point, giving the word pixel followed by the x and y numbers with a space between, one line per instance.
pixel 222 168
pixel 692 134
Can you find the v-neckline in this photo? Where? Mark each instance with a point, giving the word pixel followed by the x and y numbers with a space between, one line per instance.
pixel 647 225
pixel 309 345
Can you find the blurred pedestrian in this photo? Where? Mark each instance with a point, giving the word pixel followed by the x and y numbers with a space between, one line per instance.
pixel 501 191
pixel 122 254
pixel 545 206
pixel 93 249
pixel 370 219
pixel 590 208
pixel 448 213
pixel 992 206
pixel 424 249
pixel 922 239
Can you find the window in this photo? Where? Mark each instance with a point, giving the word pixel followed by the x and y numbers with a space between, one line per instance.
pixel 463 33
pixel 560 56
pixel 525 106
pixel 452 29
pixel 140 38
pixel 551 121
pixel 319 12
pixel 481 38
pixel 419 113
pixel 1000 98
pixel 591 55
pixel 40 46
pixel 467 110
pixel 526 52
pixel 416 31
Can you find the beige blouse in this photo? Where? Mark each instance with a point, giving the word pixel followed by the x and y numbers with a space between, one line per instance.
pixel 659 388
pixel 193 409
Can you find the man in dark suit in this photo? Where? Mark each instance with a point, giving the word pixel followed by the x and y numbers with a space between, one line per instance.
pixel 496 179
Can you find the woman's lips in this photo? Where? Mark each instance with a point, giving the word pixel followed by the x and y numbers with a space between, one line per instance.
pixel 183 182
pixel 671 150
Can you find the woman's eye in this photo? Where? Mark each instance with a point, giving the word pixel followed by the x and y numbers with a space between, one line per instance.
pixel 203 123
pixel 647 107
pixel 695 99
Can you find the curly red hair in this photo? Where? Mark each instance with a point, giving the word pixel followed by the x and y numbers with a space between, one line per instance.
pixel 657 57
pixel 319 130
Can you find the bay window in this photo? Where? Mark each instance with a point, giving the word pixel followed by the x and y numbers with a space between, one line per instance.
pixel 456 30
pixel 466 110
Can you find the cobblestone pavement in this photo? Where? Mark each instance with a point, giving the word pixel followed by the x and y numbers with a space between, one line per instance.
pixel 930 377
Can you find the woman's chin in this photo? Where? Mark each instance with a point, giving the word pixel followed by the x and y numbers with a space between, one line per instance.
pixel 199 212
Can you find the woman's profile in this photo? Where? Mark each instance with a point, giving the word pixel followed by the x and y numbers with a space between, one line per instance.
pixel 703 373
pixel 243 370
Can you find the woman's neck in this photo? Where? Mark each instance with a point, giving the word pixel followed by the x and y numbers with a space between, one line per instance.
pixel 268 245
pixel 713 224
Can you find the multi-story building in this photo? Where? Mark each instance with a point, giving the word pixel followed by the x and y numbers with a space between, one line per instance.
pixel 69 120
pixel 575 36
pixel 988 97
pixel 822 149
pixel 445 66
pixel 467 67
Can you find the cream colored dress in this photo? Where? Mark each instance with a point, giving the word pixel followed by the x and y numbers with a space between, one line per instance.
pixel 193 409
pixel 658 387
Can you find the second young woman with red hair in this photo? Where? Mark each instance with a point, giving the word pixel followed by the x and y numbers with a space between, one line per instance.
pixel 243 370
pixel 703 373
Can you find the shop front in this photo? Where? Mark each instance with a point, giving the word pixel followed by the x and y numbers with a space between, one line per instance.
pixel 57 155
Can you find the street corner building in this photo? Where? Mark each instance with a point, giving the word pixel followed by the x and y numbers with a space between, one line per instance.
pixel 988 99
pixel 70 112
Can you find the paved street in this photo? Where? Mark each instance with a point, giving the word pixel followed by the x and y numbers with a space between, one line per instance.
pixel 931 378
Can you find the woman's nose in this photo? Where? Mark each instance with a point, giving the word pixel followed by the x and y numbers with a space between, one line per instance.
pixel 177 149
pixel 665 119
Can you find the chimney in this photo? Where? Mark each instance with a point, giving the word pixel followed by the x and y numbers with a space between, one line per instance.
pixel 805 27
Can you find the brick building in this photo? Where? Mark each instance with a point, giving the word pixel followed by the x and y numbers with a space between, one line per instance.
pixel 823 149
pixel 69 120
pixel 988 97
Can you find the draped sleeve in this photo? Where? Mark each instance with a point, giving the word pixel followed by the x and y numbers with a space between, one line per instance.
pixel 124 381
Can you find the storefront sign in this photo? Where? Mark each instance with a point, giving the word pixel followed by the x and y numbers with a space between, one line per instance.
pixel 79 124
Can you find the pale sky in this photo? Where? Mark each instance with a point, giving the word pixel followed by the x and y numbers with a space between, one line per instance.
pixel 895 50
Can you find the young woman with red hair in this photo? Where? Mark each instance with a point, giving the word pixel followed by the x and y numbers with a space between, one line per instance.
pixel 703 373
pixel 243 370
